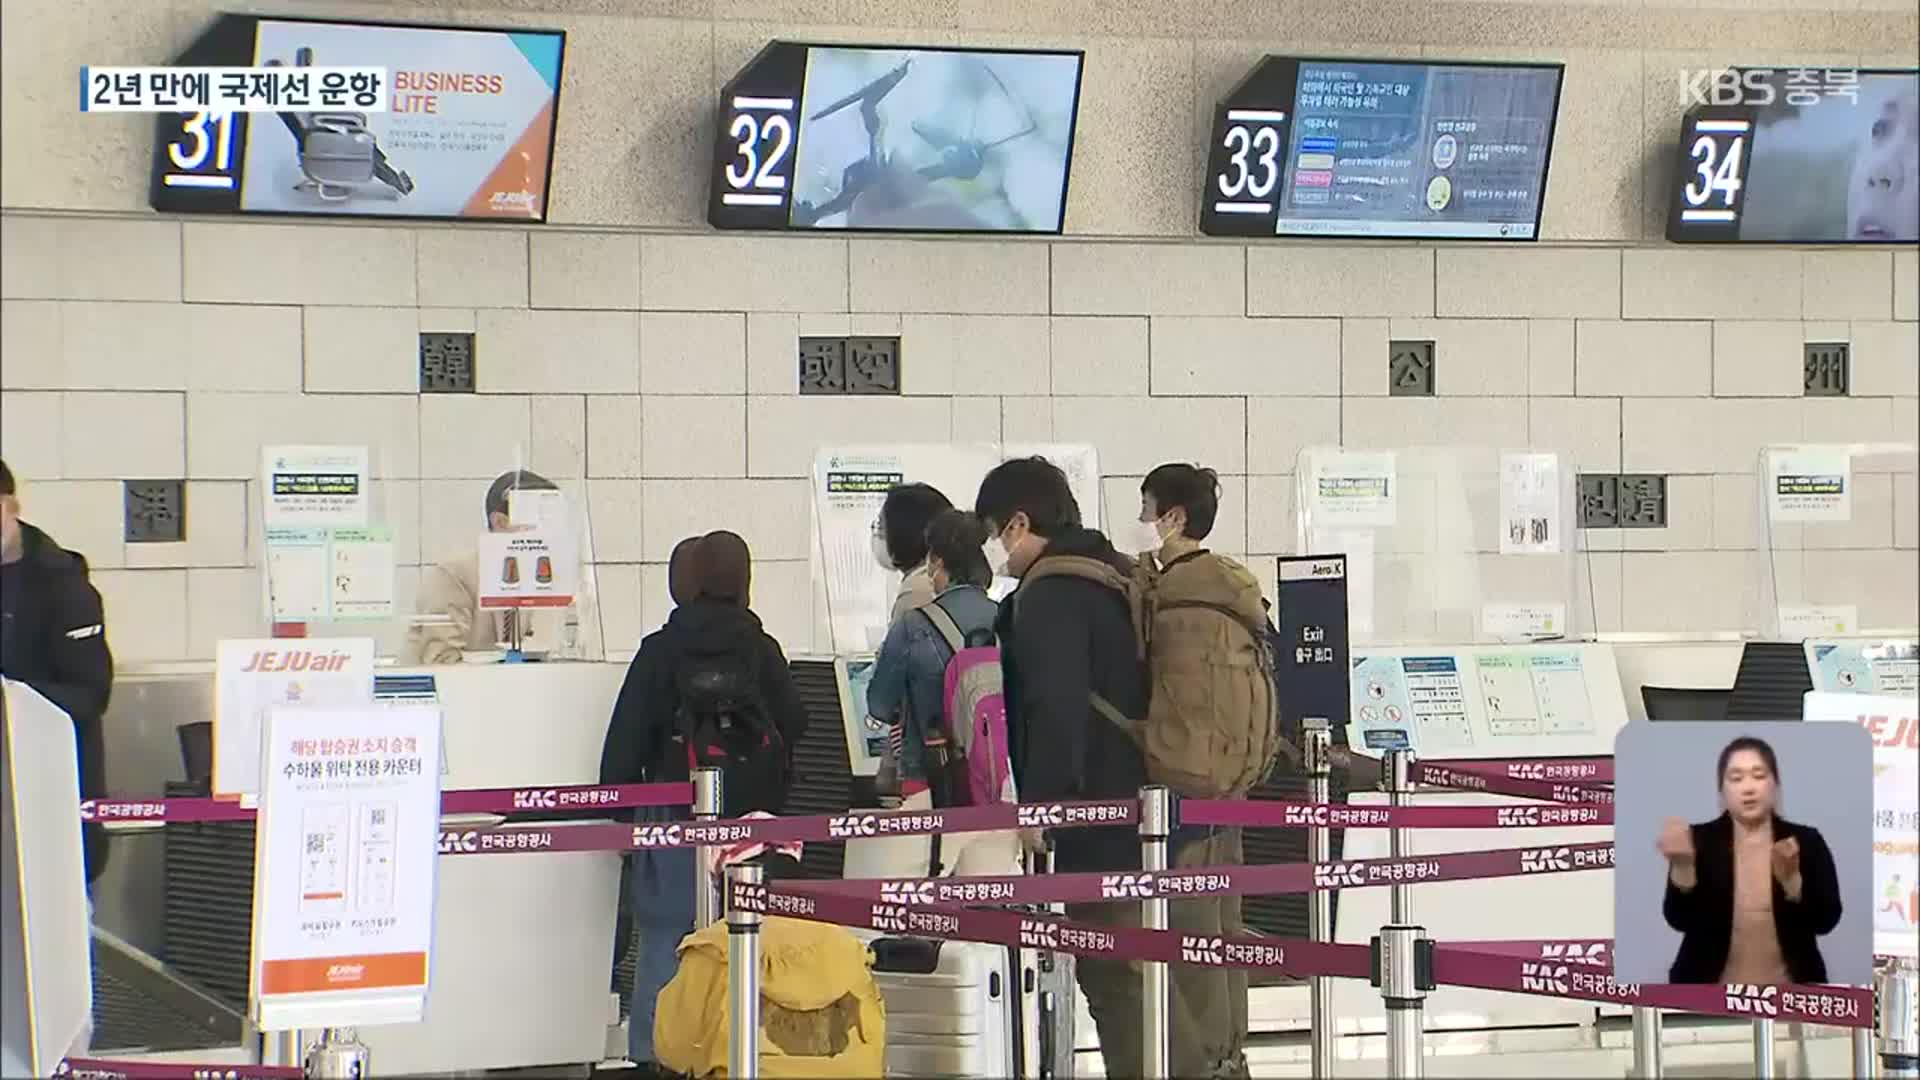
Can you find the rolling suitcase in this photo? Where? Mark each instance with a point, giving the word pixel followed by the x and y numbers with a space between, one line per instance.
pixel 1047 1001
pixel 949 1007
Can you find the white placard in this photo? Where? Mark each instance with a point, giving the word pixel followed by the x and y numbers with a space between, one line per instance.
pixel 1810 484
pixel 534 568
pixel 327 575
pixel 1508 622
pixel 313 486
pixel 1352 487
pixel 252 676
pixel 361 585
pixel 344 865
pixel 296 575
pixel 1530 504
pixel 1799 621
pixel 1894 725
pixel 536 508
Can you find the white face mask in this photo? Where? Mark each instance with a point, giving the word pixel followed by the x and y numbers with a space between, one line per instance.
pixel 997 557
pixel 880 553
pixel 1139 536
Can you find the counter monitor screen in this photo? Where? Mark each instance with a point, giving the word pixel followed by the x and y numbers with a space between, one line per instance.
pixel 1800 156
pixel 896 139
pixel 468 132
pixel 1373 148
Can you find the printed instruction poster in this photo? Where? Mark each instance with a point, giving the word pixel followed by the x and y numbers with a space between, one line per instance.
pixel 252 676
pixel 1865 667
pixel 1893 723
pixel 1812 483
pixel 345 863
pixel 1351 487
pixel 326 575
pixel 1530 504
pixel 535 568
pixel 313 487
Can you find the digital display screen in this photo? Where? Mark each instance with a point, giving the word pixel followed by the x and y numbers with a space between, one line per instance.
pixel 896 139
pixel 1800 156
pixel 468 133
pixel 1383 148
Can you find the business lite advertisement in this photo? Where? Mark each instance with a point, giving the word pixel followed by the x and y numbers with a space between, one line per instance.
pixel 468 130
pixel 896 139
pixel 1807 155
pixel 1342 147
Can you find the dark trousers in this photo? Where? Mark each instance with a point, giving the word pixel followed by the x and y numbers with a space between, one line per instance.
pixel 1207 1007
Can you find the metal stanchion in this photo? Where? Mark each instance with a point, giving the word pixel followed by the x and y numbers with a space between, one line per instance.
pixel 1396 775
pixel 707 793
pixel 743 976
pixel 1862 1053
pixel 282 1048
pixel 337 1056
pixel 1317 737
pixel 1763 1050
pixel 1897 995
pixel 1403 970
pixel 1156 824
pixel 1646 1042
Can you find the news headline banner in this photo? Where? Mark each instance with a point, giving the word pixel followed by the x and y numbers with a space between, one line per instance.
pixel 1453 776
pixel 1268 880
pixel 1286 815
pixel 102 1069
pixel 233 89
pixel 475 801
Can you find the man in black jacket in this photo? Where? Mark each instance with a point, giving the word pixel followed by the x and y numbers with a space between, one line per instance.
pixel 53 638
pixel 1064 638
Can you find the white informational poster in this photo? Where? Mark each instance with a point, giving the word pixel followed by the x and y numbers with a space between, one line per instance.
pixel 319 487
pixel 1893 722
pixel 1351 487
pixel 324 575
pixel 1081 464
pixel 344 865
pixel 1801 621
pixel 253 676
pixel 1890 666
pixel 1813 483
pixel 534 568
pixel 1530 504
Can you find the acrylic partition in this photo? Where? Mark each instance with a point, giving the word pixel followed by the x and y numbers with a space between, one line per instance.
pixel 1838 525
pixel 1459 545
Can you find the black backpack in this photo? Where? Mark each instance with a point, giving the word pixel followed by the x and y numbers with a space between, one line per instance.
pixel 725 725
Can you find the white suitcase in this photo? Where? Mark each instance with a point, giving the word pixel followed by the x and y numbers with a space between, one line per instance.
pixel 950 1007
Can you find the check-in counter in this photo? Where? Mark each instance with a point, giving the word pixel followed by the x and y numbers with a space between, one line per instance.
pixel 522 955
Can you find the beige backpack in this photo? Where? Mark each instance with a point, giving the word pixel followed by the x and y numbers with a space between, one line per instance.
pixel 1212 729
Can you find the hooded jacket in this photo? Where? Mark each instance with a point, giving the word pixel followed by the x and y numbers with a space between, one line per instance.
pixel 646 715
pixel 53 638
pixel 1063 639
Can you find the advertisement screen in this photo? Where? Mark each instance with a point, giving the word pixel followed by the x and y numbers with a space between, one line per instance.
pixel 1338 147
pixel 468 132
pixel 896 139
pixel 1801 155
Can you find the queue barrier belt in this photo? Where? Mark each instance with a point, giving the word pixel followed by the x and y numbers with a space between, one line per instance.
pixel 520 800
pixel 104 1069
pixel 1452 775
pixel 1575 970
pixel 1576 770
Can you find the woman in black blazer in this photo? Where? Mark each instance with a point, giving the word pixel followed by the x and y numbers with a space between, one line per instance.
pixel 1750 891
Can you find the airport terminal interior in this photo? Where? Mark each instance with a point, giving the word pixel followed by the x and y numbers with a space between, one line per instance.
pixel 1557 361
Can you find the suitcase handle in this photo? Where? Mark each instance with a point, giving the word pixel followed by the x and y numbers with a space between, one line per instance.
pixel 906 955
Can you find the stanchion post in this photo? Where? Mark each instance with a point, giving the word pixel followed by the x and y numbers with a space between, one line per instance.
pixel 337 1056
pixel 1763 1068
pixel 1863 1060
pixel 1403 970
pixel 1156 825
pixel 1897 996
pixel 1317 739
pixel 1646 1042
pixel 1397 777
pixel 707 793
pixel 743 976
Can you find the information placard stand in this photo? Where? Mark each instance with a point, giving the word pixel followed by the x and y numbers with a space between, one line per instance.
pixel 1835 550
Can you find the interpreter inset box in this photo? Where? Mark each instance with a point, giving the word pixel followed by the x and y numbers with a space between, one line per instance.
pixel 1744 853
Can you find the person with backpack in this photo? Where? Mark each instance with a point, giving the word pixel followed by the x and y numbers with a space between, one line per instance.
pixel 711 687
pixel 936 685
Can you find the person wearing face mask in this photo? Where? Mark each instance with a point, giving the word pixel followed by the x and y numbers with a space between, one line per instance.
pixel 1750 892
pixel 908 693
pixel 900 542
pixel 452 589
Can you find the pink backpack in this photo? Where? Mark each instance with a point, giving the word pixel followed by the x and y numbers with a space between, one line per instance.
pixel 976 711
